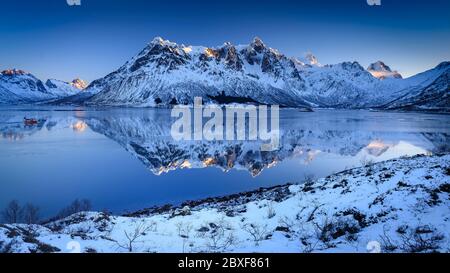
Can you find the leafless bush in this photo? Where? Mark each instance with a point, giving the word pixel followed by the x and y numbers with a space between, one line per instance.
pixel 184 231
pixel 330 229
pixel 420 239
pixel 366 162
pixel 257 232
pixel 287 222
pixel 271 210
pixel 308 247
pixel 387 244
pixel 218 236
pixel 140 230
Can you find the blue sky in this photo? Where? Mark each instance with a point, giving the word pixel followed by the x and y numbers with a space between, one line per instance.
pixel 54 40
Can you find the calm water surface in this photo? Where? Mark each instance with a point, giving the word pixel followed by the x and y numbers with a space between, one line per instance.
pixel 125 159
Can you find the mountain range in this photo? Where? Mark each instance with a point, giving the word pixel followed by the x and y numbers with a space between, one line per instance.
pixel 20 87
pixel 166 73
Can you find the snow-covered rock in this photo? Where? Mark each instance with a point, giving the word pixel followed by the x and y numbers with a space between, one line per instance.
pixel 79 84
pixel 381 71
pixel 309 59
pixel 400 205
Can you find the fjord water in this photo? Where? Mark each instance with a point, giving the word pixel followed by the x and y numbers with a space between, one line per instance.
pixel 125 159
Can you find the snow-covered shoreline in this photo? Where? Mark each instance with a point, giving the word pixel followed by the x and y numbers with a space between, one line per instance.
pixel 401 205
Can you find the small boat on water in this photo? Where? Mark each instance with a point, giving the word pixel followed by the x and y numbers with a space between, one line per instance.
pixel 30 121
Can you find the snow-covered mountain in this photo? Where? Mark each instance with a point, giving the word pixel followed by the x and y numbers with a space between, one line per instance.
pixel 308 59
pixel 165 73
pixel 79 84
pixel 425 91
pixel 381 71
pixel 18 87
pixel 64 89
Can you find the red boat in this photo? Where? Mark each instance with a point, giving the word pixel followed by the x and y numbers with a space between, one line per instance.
pixel 30 121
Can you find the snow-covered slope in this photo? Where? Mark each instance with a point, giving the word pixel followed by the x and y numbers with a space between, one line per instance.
pixel 426 91
pixel 64 89
pixel 400 205
pixel 381 71
pixel 165 73
pixel 19 87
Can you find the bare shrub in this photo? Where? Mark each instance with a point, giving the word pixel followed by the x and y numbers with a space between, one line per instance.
pixel 331 229
pixel 132 237
pixel 271 210
pixel 257 232
pixel 387 243
pixel 308 247
pixel 368 164
pixel 184 231
pixel 421 239
pixel 287 222
pixel 218 236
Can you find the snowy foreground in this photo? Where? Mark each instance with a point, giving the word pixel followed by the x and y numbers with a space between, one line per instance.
pixel 395 206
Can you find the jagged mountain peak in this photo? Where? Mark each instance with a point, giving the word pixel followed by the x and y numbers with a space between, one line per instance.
pixel 351 66
pixel 308 59
pixel 79 83
pixel 160 41
pixel 258 45
pixel 379 66
pixel 14 71
pixel 382 71
pixel 311 58
pixel 61 89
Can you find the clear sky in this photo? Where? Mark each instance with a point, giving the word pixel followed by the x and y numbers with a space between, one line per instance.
pixel 54 40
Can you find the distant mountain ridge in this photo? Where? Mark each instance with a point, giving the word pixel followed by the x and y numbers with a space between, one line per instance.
pixel 18 87
pixel 165 73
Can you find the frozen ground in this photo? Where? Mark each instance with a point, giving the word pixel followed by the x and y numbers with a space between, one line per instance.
pixel 399 205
